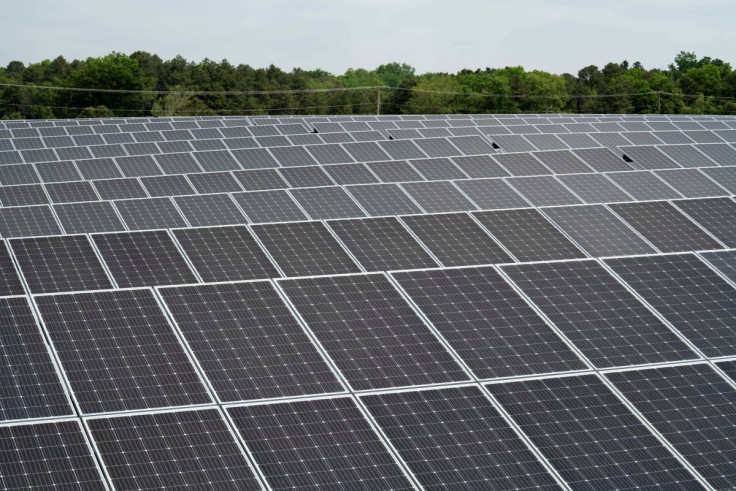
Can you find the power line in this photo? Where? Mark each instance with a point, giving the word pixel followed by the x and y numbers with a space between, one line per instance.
pixel 353 89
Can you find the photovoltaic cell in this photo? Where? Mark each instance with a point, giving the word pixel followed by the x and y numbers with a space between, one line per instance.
pixel 690 295
pixel 402 149
pixel 456 239
pixel 644 185
pixel 304 249
pixel 686 155
pixel 260 179
pixel 665 227
pixel 172 450
pixel 648 157
pixel 119 352
pixel 59 264
pixel 225 253
pixel 350 174
pixel 214 182
pixel 487 323
pixel 139 259
pixel 383 199
pixel 49 456
pixel 607 323
pixel 329 154
pixel 292 156
pixel 721 153
pixel 598 231
pixel 438 169
pixel 381 244
pixel 119 189
pixel 248 343
pixel 589 435
pixel 465 442
pixel 694 408
pixel 324 443
pixel 724 176
pixel 372 334
pixel 528 235
pixel 394 171
pixel 308 176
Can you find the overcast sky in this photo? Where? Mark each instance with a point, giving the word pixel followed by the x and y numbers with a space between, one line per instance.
pixel 431 35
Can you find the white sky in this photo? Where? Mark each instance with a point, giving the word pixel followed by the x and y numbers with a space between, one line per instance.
pixel 431 35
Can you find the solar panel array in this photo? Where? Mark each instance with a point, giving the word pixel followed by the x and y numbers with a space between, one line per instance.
pixel 368 302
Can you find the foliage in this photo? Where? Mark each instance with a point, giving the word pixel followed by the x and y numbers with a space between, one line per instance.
pixel 143 84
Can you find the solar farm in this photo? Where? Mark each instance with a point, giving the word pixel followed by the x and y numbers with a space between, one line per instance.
pixel 368 302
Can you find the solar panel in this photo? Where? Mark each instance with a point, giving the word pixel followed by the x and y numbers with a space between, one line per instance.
pixel 23 195
pixel 304 248
pixel 119 189
pixel 479 166
pixel 691 183
pixel 350 174
pixel 31 385
pixel 690 295
pixel 372 334
pixel 149 213
pixel 225 253
pixel 317 443
pixel 438 169
pixel 165 186
pixel 589 435
pixel 456 239
pixel 329 154
pixel 465 442
pixel 512 143
pixel 49 455
pixel 562 162
pixel 543 191
pixel 59 264
pixel 599 315
pixel 665 227
pixel 487 323
pixel 598 231
pixel 137 259
pixel 260 179
pixel 119 351
pixel 269 206
pixel 401 149
pixel 216 160
pixel 676 401
pixel 381 244
pixel 521 164
pixel 686 155
pixel 327 202
pixel 438 196
pixel 209 209
pixel 643 185
pixel 594 188
pixel 528 235
pixel 723 261
pixel 716 215
pixel 472 145
pixel 366 151
pixel 80 218
pixel 255 158
pixel 247 342
pixel 720 153
pixel 292 156
pixel 308 176
pixel 171 450
pixel 214 182
pixel 602 159
pixel 394 171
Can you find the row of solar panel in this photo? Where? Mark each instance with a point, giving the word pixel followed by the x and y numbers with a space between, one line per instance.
pixel 190 130
pixel 403 181
pixel 64 263
pixel 500 436
pixel 431 143
pixel 118 352
pixel 706 121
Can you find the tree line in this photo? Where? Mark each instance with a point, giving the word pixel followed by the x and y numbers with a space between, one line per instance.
pixel 157 87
